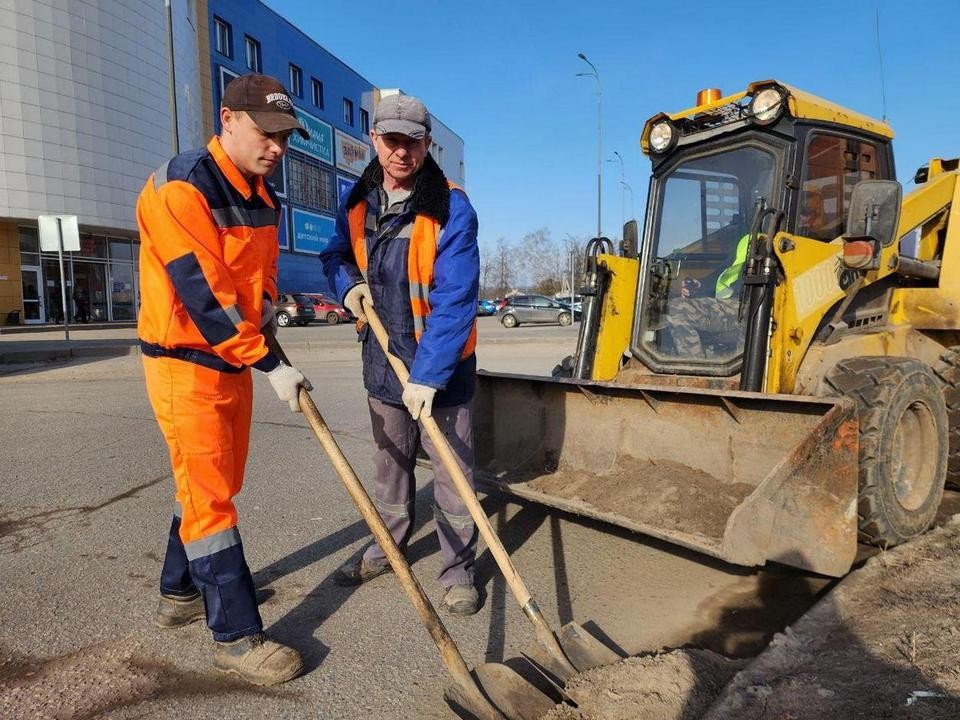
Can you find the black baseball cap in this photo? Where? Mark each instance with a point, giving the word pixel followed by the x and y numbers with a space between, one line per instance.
pixel 266 101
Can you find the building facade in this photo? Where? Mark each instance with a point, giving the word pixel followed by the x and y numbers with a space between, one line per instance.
pixel 86 114
pixel 84 119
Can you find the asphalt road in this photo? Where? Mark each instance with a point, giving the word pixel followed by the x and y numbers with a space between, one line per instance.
pixel 85 502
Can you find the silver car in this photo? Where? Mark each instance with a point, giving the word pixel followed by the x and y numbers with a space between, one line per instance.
pixel 535 309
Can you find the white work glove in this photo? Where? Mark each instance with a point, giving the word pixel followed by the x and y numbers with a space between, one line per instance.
pixel 286 383
pixel 418 399
pixel 268 318
pixel 352 301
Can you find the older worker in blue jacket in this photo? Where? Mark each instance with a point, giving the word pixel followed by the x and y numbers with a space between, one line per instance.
pixel 406 244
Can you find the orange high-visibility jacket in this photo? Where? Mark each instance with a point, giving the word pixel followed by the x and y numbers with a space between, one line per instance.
pixel 208 261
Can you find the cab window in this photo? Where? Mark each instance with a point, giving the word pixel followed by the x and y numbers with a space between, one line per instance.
pixel 831 167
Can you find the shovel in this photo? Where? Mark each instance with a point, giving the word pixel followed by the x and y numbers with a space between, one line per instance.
pixel 515 698
pixel 574 649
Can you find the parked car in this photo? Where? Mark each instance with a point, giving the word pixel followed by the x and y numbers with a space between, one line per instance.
pixel 329 309
pixel 294 308
pixel 576 303
pixel 486 307
pixel 535 309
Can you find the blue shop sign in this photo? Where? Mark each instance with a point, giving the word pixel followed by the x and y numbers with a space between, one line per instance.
pixel 320 144
pixel 344 183
pixel 311 232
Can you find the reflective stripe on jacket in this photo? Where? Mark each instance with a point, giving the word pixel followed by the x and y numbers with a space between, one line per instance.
pixel 208 258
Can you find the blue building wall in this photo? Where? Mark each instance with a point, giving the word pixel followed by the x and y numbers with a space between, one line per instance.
pixel 307 222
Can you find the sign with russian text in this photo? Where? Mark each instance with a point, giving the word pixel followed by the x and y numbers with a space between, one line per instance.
pixel 311 232
pixel 320 144
pixel 352 155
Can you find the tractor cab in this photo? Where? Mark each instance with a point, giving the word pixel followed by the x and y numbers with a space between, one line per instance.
pixel 727 175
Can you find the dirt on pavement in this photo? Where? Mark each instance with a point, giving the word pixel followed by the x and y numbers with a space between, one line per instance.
pixel 885 643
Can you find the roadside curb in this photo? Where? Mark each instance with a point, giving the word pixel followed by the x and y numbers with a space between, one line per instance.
pixel 63 351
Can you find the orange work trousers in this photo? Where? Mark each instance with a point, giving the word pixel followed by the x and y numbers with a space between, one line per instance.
pixel 204 416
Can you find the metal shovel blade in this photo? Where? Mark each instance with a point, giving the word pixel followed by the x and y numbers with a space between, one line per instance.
pixel 583 649
pixel 513 696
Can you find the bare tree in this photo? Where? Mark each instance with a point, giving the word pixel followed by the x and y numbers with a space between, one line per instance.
pixel 538 259
pixel 487 269
pixel 503 266
pixel 536 263
pixel 573 249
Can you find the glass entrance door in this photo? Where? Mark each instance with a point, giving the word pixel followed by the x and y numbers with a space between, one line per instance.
pixel 33 305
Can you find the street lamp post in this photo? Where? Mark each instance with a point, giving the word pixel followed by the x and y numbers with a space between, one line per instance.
pixel 596 76
pixel 623 184
pixel 630 189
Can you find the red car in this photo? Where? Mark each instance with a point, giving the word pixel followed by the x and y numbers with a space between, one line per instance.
pixel 330 310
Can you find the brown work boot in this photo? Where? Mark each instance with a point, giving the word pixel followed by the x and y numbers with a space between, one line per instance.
pixel 461 600
pixel 174 612
pixel 258 660
pixel 357 572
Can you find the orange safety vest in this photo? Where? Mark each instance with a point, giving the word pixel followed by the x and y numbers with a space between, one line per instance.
pixel 420 260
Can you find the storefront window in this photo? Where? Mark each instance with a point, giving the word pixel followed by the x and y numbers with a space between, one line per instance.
pixel 29 246
pixel 121 291
pixel 120 249
pixel 51 275
pixel 89 291
pixel 93 245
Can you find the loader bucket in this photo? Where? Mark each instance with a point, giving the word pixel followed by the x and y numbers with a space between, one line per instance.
pixel 745 477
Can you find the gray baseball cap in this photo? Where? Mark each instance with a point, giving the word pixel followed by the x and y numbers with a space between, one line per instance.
pixel 403 114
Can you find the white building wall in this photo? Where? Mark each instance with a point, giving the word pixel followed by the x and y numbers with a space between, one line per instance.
pixel 447 150
pixel 84 113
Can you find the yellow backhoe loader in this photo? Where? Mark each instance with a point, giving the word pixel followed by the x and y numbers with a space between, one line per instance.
pixel 772 372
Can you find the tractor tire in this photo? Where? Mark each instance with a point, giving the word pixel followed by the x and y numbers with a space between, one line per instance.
pixel 903 444
pixel 948 370
pixel 509 321
pixel 283 319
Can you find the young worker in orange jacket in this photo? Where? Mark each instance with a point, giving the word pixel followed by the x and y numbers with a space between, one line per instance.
pixel 208 264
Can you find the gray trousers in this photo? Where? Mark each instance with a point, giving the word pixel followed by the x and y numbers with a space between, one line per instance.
pixel 396 437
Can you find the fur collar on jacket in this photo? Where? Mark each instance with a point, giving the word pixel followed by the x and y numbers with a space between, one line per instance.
pixel 431 194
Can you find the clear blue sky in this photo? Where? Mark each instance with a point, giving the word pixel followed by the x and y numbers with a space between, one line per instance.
pixel 502 74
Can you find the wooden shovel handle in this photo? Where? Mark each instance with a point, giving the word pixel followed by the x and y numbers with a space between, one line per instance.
pixel 449 651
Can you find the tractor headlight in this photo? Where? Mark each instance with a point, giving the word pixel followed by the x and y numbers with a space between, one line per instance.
pixel 767 105
pixel 663 136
